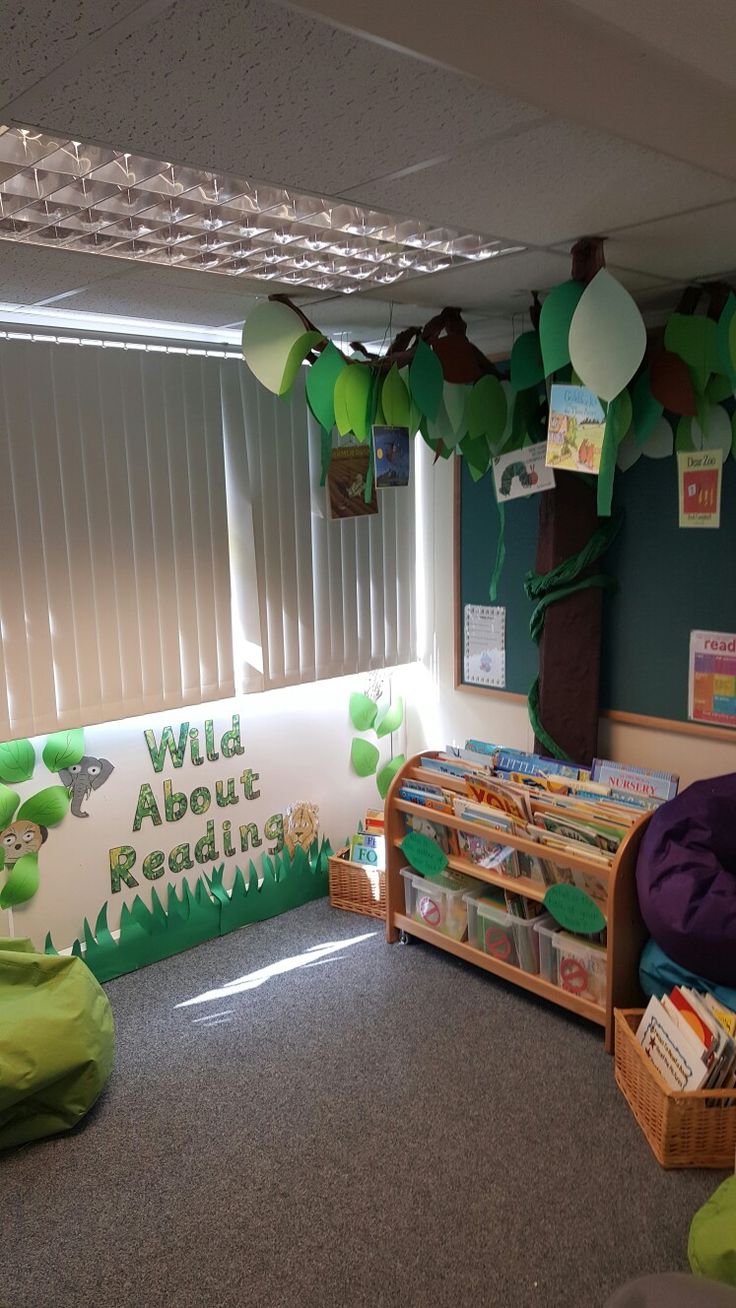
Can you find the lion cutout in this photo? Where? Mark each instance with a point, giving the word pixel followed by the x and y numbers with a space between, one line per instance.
pixel 301 826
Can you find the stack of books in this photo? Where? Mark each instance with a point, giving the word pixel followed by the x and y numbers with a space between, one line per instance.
pixel 690 1038
pixel 368 845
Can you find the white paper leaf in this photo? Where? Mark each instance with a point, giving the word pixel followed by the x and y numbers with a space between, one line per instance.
pixel 271 330
pixel 661 443
pixel 607 336
pixel 718 435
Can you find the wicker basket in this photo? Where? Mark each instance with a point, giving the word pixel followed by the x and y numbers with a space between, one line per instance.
pixel 684 1129
pixel 357 888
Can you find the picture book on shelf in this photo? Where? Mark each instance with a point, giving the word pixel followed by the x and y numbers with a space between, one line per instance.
pixel 443 836
pixel 689 1038
pixel 369 849
pixel 641 782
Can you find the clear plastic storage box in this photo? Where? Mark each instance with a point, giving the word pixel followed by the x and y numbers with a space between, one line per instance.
pixel 439 903
pixel 581 967
pixel 503 935
pixel 546 928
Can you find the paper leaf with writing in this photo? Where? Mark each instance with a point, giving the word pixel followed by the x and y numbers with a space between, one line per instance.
pixel 17 761
pixel 426 380
pixel 671 383
pixel 387 774
pixel 363 711
pixel 607 336
pixel 321 380
pixel 554 324
pixel 574 910
pixel 22 882
pixel 693 338
pixel 424 854
pixel 364 757
pixel 527 367
pixel 486 413
pixel 390 718
pixel 63 749
pixel 395 400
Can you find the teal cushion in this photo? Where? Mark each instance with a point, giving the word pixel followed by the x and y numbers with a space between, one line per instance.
pixel 658 974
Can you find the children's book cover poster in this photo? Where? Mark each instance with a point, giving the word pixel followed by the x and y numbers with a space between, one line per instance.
pixel 391 451
pixel 576 427
pixel 522 472
pixel 699 476
pixel 346 481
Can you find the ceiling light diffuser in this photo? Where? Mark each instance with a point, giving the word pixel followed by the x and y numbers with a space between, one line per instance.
pixel 101 201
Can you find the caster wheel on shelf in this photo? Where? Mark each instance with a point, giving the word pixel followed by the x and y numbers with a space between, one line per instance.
pixel 404 938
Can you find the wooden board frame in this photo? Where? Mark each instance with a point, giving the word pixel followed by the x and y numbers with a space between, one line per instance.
pixel 615 715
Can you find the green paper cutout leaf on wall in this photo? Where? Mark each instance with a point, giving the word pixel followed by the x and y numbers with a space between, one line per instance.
pixel 661 443
pixel 395 400
pixel 486 412
pixel 554 324
pixel 527 367
pixel 426 380
pixel 270 333
pixel 455 398
pixel 22 882
pixel 297 354
pixel 607 336
pixel 692 337
pixel 9 802
pixel 340 403
pixel 424 854
pixel 477 456
pixel 357 392
pixel 363 756
pixel 63 749
pixel 647 410
pixel 321 380
pixel 387 774
pixel 363 711
pixel 574 910
pixel 17 761
pixel 47 807
pixel 390 718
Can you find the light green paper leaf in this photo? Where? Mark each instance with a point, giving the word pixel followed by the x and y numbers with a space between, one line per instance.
pixel 17 761
pixel 647 409
pixel 607 336
pixel 719 388
pixel 574 910
pixel 358 386
pixel 270 332
pixel 340 402
pixel 22 882
pixel 684 437
pixel 661 442
pixel 424 854
pixel 47 807
pixel 390 718
pixel 621 411
pixel 455 397
pixel 717 434
pixel 554 324
pixel 395 400
pixel 321 380
pixel 297 354
pixel 364 757
pixel 487 409
pixel 9 802
pixel 693 338
pixel 477 455
pixel 63 749
pixel 426 380
pixel 726 354
pixel 363 711
pixel 527 368
pixel 387 774
pixel 607 468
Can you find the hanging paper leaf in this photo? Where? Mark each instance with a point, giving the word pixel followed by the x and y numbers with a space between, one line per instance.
pixel 487 409
pixel 363 756
pixel 609 451
pixel 717 434
pixel 17 761
pixel 647 409
pixel 629 451
pixel 661 442
pixel 390 718
pixel 363 711
pixel 9 802
pixel 607 336
pixel 692 337
pixel 395 400
pixel 477 455
pixel 297 354
pixel 63 749
pixel 22 882
pixel 275 344
pixel 727 355
pixel 340 402
pixel 719 388
pixel 455 398
pixel 426 380
pixel 671 383
pixel 527 368
pixel 357 392
pixel 47 807
pixel 321 381
pixel 554 324
pixel 387 774
pixel 621 415
pixel 684 437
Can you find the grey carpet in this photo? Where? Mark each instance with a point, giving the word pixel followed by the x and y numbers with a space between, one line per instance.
pixel 385 1127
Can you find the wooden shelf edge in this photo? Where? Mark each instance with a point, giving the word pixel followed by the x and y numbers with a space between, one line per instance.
pixel 538 985
pixel 517 885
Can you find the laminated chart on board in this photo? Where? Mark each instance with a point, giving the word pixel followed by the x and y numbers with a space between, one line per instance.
pixel 712 681
pixel 485 645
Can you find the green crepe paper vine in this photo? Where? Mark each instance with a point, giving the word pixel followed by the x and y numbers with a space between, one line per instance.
pixel 148 935
pixel 24 826
pixel 549 587
pixel 367 715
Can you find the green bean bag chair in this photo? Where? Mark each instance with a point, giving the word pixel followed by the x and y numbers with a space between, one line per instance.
pixel 711 1247
pixel 57 1040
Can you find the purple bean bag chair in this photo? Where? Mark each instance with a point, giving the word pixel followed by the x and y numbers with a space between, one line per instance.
pixel 686 878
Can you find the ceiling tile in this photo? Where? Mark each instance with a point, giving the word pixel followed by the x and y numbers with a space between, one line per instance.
pixel 279 97
pixel 42 36
pixel 554 181
pixel 29 273
pixel 702 36
pixel 136 294
pixel 502 285
pixel 691 245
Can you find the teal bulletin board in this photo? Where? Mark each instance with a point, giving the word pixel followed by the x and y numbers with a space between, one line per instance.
pixel 671 581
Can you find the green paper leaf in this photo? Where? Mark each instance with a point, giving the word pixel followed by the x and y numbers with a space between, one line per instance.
pixel 340 402
pixel 47 807
pixel 455 399
pixel 607 336
pixel 390 718
pixel 733 438
pixel 684 437
pixel 363 756
pixel 358 386
pixel 63 749
pixel 270 333
pixel 527 368
pixel 647 409
pixel 17 761
pixel 717 434
pixel 395 400
pixel 629 452
pixel 424 854
pixel 661 442
pixel 719 388
pixel 321 380
pixel 621 410
pixel 554 324
pixel 477 455
pixel 2 857
pixel 693 338
pixel 487 409
pixel 363 711
pixel 608 462
pixel 22 882
pixel 574 910
pixel 297 354
pixel 9 802
pixel 387 774
pixel 726 354
pixel 426 380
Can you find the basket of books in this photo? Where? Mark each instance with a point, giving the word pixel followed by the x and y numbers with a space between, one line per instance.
pixel 680 1090
pixel 357 874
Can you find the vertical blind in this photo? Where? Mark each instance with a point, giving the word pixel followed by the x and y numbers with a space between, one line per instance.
pixel 115 583
pixel 314 598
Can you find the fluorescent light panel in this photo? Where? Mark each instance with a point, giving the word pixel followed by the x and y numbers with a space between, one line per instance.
pixel 102 201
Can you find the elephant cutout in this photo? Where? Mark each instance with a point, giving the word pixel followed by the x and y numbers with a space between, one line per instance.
pixel 82 778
